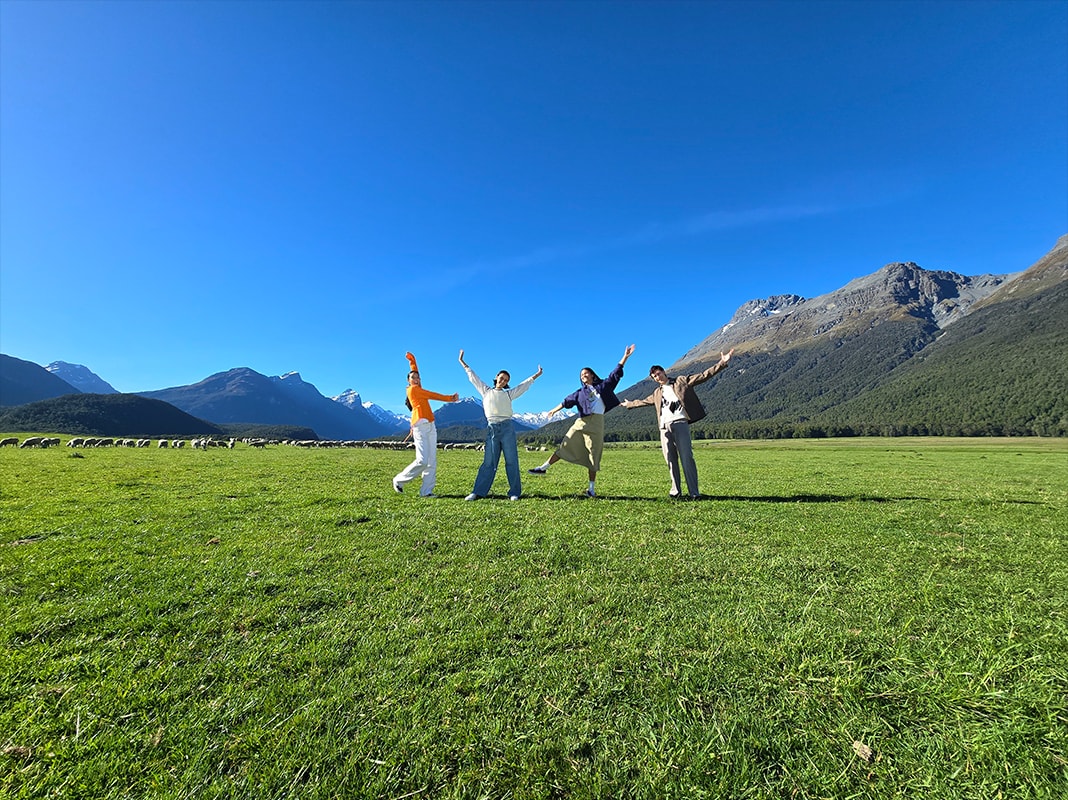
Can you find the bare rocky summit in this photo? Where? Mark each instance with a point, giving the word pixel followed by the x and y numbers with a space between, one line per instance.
pixel 898 290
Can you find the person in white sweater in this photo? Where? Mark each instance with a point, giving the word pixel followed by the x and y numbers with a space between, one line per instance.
pixel 500 435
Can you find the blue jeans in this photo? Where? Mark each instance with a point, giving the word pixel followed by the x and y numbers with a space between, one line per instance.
pixel 500 438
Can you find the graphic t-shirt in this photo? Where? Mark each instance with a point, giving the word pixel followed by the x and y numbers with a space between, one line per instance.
pixel 596 403
pixel 671 409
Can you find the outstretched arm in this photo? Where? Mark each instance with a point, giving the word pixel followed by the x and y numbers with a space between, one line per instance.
pixel 701 377
pixel 445 398
pixel 522 387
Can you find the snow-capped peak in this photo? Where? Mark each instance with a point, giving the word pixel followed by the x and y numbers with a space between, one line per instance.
pixel 81 378
pixel 350 398
pixel 538 418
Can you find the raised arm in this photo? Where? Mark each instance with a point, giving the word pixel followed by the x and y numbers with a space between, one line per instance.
pixel 523 386
pixel 701 377
pixel 477 382
pixel 616 375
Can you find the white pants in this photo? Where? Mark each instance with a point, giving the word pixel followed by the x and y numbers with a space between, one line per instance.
pixel 425 436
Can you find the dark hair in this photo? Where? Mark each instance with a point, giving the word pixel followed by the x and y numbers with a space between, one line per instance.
pixel 503 372
pixel 596 378
pixel 408 402
pixel 654 368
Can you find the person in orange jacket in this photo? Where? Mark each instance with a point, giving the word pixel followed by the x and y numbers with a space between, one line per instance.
pixel 424 433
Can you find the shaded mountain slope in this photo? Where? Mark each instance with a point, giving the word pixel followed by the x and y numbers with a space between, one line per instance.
pixel 247 397
pixel 24 382
pixel 1000 371
pixel 105 415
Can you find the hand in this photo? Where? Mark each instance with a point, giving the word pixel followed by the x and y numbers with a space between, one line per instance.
pixel 627 354
pixel 455 397
pixel 725 357
pixel 538 373
pixel 627 403
pixel 462 357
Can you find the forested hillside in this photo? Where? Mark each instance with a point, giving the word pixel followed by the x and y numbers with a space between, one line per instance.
pixel 1000 371
pixel 105 415
pixel 889 354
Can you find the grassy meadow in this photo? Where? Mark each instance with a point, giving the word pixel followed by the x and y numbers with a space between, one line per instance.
pixel 836 619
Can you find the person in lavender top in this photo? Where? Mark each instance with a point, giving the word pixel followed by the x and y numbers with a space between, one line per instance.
pixel 584 441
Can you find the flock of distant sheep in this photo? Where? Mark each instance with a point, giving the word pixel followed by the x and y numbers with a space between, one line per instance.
pixel 205 443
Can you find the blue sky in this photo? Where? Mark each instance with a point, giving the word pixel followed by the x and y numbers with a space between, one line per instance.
pixel 190 187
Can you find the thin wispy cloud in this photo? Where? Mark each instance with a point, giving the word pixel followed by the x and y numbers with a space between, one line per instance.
pixel 718 221
pixel 653 233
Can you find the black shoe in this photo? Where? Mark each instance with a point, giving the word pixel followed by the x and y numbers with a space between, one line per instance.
pixel 537 471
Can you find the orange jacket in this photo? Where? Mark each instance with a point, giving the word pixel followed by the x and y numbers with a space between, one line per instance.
pixel 420 398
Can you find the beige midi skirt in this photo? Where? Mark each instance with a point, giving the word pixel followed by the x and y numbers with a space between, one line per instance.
pixel 584 442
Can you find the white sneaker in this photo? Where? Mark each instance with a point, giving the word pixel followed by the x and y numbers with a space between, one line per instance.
pixel 398 488
pixel 471 496
pixel 514 497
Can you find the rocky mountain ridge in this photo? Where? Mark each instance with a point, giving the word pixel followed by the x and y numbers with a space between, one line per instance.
pixel 896 291
pixel 243 395
pixel 81 378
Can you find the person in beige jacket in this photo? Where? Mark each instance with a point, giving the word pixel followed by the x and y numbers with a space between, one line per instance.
pixel 677 406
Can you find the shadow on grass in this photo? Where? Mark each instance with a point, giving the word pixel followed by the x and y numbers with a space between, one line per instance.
pixel 859 498
pixel 707 498
pixel 813 498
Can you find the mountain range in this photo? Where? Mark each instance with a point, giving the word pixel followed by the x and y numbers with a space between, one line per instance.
pixel 350 398
pixel 899 351
pixel 244 397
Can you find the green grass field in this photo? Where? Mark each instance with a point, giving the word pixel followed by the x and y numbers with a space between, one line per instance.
pixel 839 618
